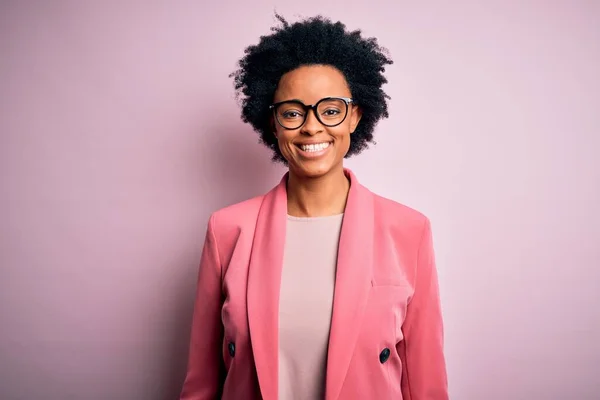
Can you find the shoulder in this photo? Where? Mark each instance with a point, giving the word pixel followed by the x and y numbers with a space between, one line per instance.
pixel 398 217
pixel 236 217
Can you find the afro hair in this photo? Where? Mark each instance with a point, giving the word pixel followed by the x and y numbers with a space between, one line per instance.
pixel 314 41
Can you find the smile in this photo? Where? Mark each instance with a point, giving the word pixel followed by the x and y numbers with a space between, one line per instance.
pixel 311 148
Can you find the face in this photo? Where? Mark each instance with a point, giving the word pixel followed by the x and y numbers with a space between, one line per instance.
pixel 314 149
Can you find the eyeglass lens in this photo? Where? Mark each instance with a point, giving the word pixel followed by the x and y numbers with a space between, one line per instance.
pixel 330 112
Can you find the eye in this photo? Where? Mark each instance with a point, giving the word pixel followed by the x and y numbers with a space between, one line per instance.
pixel 331 112
pixel 291 114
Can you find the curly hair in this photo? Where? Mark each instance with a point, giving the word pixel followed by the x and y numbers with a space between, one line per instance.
pixel 313 41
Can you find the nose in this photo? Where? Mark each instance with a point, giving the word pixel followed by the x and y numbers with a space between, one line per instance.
pixel 311 126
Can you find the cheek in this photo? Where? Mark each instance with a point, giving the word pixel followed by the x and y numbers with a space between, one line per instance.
pixel 284 141
pixel 343 137
pixel 285 138
pixel 346 146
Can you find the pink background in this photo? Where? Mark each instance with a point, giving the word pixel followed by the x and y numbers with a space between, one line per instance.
pixel 120 134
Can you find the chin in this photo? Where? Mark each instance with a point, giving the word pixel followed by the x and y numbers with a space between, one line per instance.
pixel 313 169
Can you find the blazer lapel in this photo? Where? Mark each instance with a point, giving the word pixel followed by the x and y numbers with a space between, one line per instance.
pixel 353 281
pixel 264 283
pixel 352 284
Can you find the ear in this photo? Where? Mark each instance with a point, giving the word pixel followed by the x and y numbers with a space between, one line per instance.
pixel 355 116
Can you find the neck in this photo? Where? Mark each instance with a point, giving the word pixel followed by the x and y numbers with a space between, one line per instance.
pixel 317 197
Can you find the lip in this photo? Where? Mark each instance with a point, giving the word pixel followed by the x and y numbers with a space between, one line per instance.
pixel 313 154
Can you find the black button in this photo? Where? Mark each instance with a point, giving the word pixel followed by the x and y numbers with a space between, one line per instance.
pixel 231 348
pixel 384 355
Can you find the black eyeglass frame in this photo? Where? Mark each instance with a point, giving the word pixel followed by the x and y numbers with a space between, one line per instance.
pixel 307 108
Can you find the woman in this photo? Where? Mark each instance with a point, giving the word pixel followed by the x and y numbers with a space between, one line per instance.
pixel 320 288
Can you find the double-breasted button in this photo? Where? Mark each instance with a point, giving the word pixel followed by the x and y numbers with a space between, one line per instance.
pixel 231 348
pixel 384 355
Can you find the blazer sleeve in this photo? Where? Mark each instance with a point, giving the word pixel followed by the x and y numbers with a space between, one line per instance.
pixel 424 368
pixel 205 364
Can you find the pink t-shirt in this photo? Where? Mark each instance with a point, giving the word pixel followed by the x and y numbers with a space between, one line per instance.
pixel 305 305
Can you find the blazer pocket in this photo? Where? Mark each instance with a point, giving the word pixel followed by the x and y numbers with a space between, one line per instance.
pixel 388 281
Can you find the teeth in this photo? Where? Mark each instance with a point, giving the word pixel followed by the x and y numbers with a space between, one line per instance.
pixel 314 147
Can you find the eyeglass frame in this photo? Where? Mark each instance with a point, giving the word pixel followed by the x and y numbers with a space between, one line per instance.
pixel 313 107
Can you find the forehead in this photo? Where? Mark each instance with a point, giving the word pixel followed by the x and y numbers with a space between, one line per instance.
pixel 311 83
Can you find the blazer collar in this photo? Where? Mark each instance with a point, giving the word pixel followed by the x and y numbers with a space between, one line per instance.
pixel 353 280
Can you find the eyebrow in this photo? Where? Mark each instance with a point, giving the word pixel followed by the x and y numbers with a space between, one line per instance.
pixel 298 100
pixel 302 102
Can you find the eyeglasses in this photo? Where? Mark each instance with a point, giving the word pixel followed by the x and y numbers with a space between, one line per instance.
pixel 330 111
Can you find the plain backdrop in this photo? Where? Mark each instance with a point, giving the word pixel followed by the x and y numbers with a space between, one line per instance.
pixel 120 134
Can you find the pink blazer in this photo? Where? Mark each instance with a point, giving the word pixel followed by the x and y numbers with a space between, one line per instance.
pixel 386 339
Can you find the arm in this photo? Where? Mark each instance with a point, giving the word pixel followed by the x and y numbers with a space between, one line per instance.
pixel 204 378
pixel 421 351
